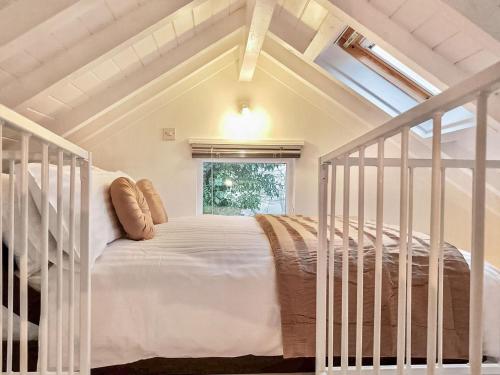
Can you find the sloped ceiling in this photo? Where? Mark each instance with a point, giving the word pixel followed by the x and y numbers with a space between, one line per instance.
pixel 69 64
pixel 484 13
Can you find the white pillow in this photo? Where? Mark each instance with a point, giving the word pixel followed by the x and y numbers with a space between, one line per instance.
pixel 34 223
pixel 16 332
pixel 34 229
pixel 105 226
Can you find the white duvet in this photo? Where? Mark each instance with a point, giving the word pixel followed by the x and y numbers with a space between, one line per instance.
pixel 203 287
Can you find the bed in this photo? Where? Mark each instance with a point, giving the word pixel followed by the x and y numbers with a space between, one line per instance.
pixel 204 287
pixel 205 291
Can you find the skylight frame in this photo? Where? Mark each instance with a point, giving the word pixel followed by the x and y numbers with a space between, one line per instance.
pixel 385 65
pixel 400 67
pixel 395 73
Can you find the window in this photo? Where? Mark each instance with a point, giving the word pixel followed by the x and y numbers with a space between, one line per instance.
pixel 244 187
pixel 389 67
pixel 382 79
pixel 401 68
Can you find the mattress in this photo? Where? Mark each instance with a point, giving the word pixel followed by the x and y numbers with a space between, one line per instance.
pixel 205 286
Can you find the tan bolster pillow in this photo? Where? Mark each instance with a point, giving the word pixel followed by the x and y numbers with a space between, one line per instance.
pixel 158 212
pixel 132 209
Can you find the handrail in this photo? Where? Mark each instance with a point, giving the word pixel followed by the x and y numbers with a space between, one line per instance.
pixel 486 80
pixel 23 124
pixel 423 163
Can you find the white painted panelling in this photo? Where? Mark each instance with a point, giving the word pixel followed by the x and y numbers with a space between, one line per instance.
pixel 146 49
pixel 220 9
pixel 314 15
pixel 237 4
pixel 165 38
pixel 68 94
pixel 97 18
pixel 202 14
pixel 121 7
pixel 106 70
pixel 71 32
pixel 127 60
pixel 36 116
pixel 5 77
pixel 414 13
pixel 183 26
pixel 388 7
pixel 458 47
pixel 484 13
pixel 295 7
pixel 290 29
pixel 435 31
pixel 4 3
pixel 478 61
pixel 19 64
pixel 87 82
pixel 47 105
pixel 44 51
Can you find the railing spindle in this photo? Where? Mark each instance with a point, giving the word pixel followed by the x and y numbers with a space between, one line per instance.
pixel 360 264
pixel 23 261
pixel 403 242
pixel 60 245
pixel 85 284
pixel 378 257
pixel 440 331
pixel 409 270
pixel 10 290
pixel 72 222
pixel 345 270
pixel 44 236
pixel 434 244
pixel 478 223
pixel 331 268
pixel 321 273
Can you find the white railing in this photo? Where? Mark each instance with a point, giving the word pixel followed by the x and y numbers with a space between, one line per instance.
pixel 24 142
pixel 475 88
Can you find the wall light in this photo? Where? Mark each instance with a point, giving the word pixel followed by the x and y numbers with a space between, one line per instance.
pixel 244 109
pixel 247 124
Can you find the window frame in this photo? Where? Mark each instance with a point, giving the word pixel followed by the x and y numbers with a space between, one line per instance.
pixel 381 67
pixel 289 186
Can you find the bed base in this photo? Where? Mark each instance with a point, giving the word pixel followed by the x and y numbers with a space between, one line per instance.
pixel 352 156
pixel 23 142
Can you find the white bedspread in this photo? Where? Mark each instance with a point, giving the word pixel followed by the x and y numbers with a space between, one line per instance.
pixel 203 287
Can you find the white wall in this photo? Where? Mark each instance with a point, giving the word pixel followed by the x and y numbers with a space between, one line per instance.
pixel 137 149
pixel 200 113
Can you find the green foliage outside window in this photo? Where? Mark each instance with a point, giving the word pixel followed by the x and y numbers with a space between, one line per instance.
pixel 244 188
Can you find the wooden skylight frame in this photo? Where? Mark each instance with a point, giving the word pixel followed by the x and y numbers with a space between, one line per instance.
pixel 351 42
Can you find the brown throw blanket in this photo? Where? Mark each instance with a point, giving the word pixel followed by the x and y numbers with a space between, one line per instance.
pixel 293 240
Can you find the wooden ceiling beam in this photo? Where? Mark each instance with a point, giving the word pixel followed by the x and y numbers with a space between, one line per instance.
pixel 259 15
pixel 328 32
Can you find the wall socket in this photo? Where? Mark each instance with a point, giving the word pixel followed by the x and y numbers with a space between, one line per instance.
pixel 168 134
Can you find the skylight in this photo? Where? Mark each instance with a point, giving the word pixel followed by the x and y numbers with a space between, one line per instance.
pixel 402 68
pixel 385 81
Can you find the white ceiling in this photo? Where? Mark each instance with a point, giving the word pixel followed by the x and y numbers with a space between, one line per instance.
pixel 68 63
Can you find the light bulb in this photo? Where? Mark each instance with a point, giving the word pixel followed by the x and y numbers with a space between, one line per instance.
pixel 245 111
